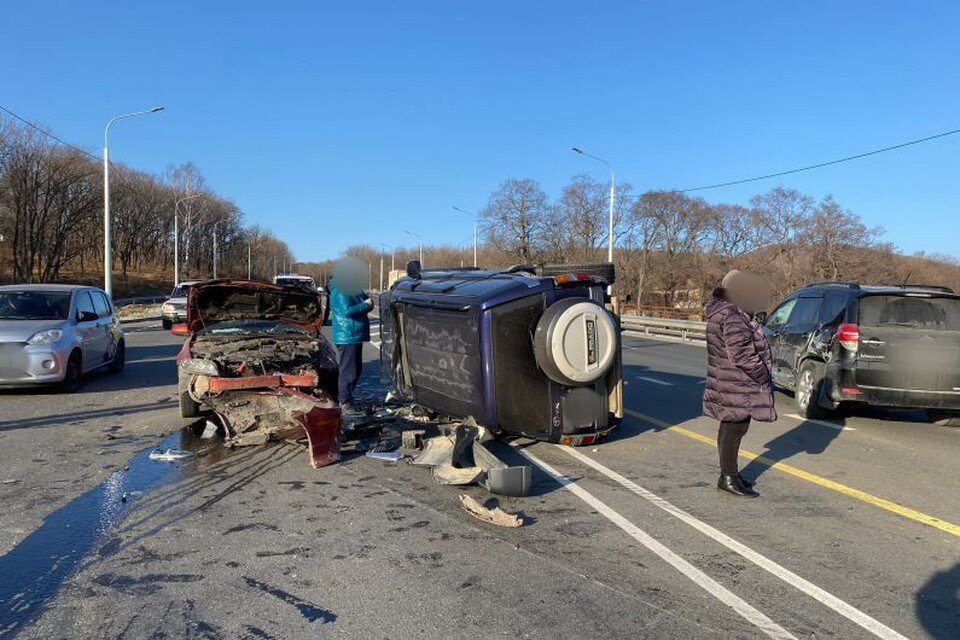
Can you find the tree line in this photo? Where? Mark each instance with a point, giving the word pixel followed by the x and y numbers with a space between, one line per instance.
pixel 51 219
pixel 672 248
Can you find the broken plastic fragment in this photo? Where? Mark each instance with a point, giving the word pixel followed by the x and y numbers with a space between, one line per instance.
pixel 391 456
pixel 446 473
pixel 209 431
pixel 496 515
pixel 170 455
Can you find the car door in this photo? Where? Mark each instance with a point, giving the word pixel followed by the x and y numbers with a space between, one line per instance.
pixel 773 328
pixel 795 336
pixel 92 341
pixel 104 324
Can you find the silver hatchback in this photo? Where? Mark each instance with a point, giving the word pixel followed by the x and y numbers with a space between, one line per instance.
pixel 53 333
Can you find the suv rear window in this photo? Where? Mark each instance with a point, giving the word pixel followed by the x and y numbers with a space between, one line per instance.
pixel 939 314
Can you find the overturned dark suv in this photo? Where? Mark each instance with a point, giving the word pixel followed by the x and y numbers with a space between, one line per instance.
pixel 896 346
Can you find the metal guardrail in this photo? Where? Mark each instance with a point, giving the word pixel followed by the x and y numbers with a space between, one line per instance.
pixel 120 302
pixel 687 330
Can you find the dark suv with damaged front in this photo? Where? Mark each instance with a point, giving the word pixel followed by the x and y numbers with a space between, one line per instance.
pixel 256 357
pixel 844 343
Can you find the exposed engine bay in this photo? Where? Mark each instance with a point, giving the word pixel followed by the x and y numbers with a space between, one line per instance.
pixel 256 357
pixel 239 356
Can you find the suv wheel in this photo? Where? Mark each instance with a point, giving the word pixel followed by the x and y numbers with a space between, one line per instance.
pixel 167 324
pixel 809 383
pixel 943 418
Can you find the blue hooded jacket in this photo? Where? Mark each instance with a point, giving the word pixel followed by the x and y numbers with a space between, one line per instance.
pixel 348 315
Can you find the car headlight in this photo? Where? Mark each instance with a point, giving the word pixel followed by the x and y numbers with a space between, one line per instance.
pixel 200 366
pixel 45 337
pixel 167 307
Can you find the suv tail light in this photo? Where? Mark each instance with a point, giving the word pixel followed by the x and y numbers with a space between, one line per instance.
pixel 849 337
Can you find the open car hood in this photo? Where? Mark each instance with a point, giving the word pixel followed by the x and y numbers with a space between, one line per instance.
pixel 221 300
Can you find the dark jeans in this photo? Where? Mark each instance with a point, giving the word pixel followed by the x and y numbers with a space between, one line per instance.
pixel 728 442
pixel 351 364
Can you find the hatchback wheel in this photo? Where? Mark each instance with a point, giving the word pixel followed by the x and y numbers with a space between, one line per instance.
pixel 73 374
pixel 809 382
pixel 189 408
pixel 119 358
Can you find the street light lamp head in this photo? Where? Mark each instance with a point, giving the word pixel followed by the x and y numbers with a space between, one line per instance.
pixel 155 109
pixel 577 150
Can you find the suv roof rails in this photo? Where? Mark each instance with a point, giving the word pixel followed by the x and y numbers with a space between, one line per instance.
pixel 849 284
pixel 932 287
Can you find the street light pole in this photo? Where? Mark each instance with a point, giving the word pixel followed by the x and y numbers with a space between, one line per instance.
pixel 476 223
pixel 612 198
pixel 107 241
pixel 417 236
pixel 249 262
pixel 382 246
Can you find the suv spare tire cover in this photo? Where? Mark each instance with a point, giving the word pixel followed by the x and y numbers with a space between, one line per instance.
pixel 575 342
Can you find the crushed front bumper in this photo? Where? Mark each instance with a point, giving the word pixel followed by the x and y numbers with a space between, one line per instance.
pixel 256 410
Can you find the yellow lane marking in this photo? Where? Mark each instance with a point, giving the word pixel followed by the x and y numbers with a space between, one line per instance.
pixel 893 507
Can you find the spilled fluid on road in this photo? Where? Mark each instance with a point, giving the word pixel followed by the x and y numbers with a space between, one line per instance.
pixel 32 572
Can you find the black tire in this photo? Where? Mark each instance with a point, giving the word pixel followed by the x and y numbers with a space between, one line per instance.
pixel 167 324
pixel 603 270
pixel 73 376
pixel 807 391
pixel 943 418
pixel 189 408
pixel 119 358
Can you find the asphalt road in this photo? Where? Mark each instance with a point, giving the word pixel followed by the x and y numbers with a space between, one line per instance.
pixel 851 538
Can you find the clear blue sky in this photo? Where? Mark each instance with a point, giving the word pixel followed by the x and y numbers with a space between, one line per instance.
pixel 340 123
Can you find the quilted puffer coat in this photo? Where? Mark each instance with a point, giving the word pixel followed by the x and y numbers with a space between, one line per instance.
pixel 738 385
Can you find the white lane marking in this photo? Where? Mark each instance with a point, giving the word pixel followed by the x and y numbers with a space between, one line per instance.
pixel 824 597
pixel 823 423
pixel 156 359
pixel 714 588
pixel 655 381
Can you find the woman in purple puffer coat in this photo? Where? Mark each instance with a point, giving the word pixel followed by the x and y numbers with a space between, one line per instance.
pixel 739 387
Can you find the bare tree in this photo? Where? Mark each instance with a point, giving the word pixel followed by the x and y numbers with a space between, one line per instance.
pixel 515 218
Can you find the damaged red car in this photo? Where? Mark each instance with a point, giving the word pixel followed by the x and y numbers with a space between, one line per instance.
pixel 255 356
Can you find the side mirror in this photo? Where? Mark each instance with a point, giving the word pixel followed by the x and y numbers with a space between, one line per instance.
pixel 180 329
pixel 414 269
pixel 761 317
pixel 87 316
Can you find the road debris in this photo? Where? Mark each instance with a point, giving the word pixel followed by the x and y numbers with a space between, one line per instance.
pixel 446 473
pixel 209 430
pixel 389 456
pixel 169 455
pixel 492 515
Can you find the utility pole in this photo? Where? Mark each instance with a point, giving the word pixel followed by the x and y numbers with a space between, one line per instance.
pixel 476 224
pixel 249 263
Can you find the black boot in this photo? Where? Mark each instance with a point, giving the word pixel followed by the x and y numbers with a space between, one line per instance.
pixel 733 485
pixel 747 483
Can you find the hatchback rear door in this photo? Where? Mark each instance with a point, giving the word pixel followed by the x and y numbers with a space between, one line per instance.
pixel 909 341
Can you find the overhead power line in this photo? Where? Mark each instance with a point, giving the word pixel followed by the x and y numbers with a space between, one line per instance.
pixel 821 164
pixel 47 133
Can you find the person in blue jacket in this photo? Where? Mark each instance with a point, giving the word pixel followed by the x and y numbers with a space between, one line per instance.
pixel 349 309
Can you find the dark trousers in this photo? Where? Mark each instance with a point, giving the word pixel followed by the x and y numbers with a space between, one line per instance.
pixel 351 364
pixel 728 442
